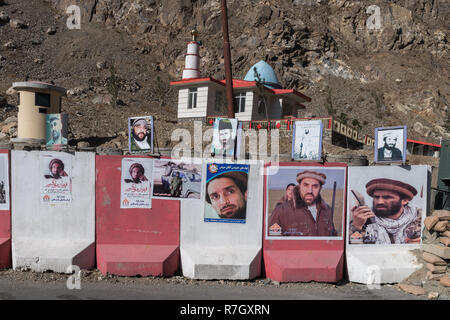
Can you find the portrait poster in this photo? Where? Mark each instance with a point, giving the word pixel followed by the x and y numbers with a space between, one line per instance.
pixel 56 178
pixel 56 130
pixel 307 140
pixel 225 137
pixel 226 193
pixel 305 202
pixel 390 144
pixel 386 205
pixel 140 134
pixel 135 183
pixel 175 179
pixel 4 182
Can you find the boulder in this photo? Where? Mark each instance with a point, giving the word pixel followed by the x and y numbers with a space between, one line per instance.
pixel 17 24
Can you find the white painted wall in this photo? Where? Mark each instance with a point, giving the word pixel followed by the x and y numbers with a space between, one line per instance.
pixel 202 103
pixel 211 250
pixel 247 115
pixel 51 237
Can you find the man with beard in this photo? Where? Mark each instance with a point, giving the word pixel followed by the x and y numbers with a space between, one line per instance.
pixel 225 142
pixel 137 174
pixel 56 167
pixel 227 194
pixel 140 136
pixel 310 215
pixel 56 132
pixel 389 151
pixel 391 220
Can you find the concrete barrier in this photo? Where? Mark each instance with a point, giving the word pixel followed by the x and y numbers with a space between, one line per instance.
pixel 375 256
pixel 303 256
pixel 133 241
pixel 214 250
pixel 53 225
pixel 5 212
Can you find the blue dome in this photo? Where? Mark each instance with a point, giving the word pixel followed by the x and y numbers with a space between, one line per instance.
pixel 267 75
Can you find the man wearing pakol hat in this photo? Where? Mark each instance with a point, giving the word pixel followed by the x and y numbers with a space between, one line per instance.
pixel 56 167
pixel 389 151
pixel 227 194
pixel 140 135
pixel 392 219
pixel 310 216
pixel 137 173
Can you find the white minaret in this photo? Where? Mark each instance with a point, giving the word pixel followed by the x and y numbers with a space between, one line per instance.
pixel 192 62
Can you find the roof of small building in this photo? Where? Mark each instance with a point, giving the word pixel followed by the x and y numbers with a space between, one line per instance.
pixel 266 74
pixel 37 85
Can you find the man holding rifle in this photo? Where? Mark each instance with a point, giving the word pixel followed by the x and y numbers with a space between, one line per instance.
pixel 311 215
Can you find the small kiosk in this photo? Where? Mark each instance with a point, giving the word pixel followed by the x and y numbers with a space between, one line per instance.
pixel 36 99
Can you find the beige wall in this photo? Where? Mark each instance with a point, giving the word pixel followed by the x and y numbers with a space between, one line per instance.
pixel 31 123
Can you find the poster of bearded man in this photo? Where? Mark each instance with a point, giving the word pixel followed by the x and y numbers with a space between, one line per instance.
pixel 390 144
pixel 386 205
pixel 136 183
pixel 140 134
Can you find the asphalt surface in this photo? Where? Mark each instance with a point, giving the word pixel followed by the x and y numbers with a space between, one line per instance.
pixel 201 290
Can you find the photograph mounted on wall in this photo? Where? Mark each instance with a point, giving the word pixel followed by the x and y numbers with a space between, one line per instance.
pixel 140 134
pixel 226 193
pixel 225 137
pixel 307 140
pixel 386 205
pixel 305 202
pixel 56 178
pixel 56 130
pixel 390 144
pixel 4 182
pixel 173 179
pixel 136 183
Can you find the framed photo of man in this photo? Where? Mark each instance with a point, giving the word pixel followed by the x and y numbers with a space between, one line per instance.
pixel 226 193
pixel 56 130
pixel 386 205
pixel 140 134
pixel 225 137
pixel 305 202
pixel 307 140
pixel 390 144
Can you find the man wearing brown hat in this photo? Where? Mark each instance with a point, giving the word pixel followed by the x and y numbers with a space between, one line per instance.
pixel 137 173
pixel 391 220
pixel 56 167
pixel 227 194
pixel 310 216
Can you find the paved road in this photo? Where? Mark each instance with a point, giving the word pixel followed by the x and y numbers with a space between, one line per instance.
pixel 18 290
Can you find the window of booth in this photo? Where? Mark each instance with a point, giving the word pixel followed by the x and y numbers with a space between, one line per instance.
pixel 42 99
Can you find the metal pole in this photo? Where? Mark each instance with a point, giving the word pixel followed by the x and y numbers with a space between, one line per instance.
pixel 227 58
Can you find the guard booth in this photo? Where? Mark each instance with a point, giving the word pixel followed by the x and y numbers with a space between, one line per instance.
pixel 442 200
pixel 36 99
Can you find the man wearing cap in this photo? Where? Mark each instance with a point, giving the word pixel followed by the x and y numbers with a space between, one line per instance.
pixel 140 135
pixel 225 142
pixel 55 126
pixel 392 219
pixel 389 151
pixel 227 194
pixel 56 167
pixel 137 174
pixel 310 215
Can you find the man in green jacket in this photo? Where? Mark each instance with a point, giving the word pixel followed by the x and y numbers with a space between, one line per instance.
pixel 175 185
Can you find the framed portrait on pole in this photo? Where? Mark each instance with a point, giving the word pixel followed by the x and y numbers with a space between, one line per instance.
pixel 390 144
pixel 307 140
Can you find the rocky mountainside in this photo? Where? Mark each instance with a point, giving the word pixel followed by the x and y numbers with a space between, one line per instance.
pixel 395 74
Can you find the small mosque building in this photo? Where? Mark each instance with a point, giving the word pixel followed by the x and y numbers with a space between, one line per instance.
pixel 258 97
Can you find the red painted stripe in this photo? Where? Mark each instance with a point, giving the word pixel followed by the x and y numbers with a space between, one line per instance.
pixel 425 143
